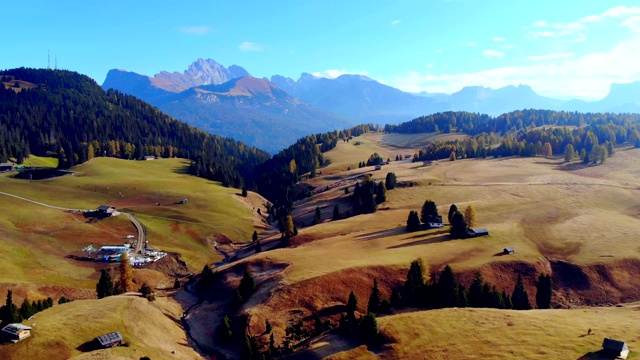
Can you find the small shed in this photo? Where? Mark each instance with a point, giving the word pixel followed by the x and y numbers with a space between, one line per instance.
pixel 109 340
pixel 378 167
pixel 183 201
pixel 16 332
pixel 476 232
pixel 149 157
pixel 434 221
pixel 508 250
pixel 615 348
pixel 6 167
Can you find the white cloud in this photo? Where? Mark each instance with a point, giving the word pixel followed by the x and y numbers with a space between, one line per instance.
pixel 395 22
pixel 507 46
pixel 194 30
pixel 615 12
pixel 250 46
pixel 540 23
pixel 587 76
pixel 334 73
pixel 492 53
pixel 499 39
pixel 471 43
pixel 550 56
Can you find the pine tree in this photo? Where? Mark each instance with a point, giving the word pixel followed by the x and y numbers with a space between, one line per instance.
pixel 381 193
pixel 568 152
pixel 317 217
pixel 352 306
pixel 26 310
pixel 470 216
pixel 413 221
pixel 520 298
pixel 396 299
pixel 452 210
pixel 543 291
pixel 458 226
pixel 391 181
pixel 446 288
pixel 336 213
pixel 104 287
pixel 368 327
pixel 254 237
pixel 374 299
pixel 429 208
pixel 414 286
pixel 475 290
pixel 247 285
pixel 126 274
pixel 244 191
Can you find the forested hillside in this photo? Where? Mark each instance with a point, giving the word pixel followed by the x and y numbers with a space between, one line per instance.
pixel 69 116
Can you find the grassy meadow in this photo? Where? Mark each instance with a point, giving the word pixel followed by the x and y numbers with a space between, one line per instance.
pixel 37 239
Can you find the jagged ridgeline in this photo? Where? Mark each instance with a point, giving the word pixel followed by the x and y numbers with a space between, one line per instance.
pixel 69 116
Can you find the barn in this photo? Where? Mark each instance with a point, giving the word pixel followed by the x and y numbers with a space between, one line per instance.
pixel 149 157
pixel 106 210
pixel 6 167
pixel 615 348
pixel 109 340
pixel 508 250
pixel 16 332
pixel 476 232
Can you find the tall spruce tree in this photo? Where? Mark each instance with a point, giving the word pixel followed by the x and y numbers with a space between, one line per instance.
pixel 414 286
pixel 374 299
pixel 520 298
pixel 452 210
pixel 475 290
pixel 413 221
pixel 336 213
pixel 458 226
pixel 429 208
pixel 447 288
pixel 543 291
pixel 352 306
pixel 391 181
pixel 104 287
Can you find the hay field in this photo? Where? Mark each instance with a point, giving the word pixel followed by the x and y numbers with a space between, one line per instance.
pixel 39 238
pixel 152 329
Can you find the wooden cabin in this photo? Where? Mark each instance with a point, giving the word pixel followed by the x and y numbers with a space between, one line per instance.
pixel 16 332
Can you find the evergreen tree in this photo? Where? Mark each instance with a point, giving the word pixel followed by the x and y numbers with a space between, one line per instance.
pixel 336 213
pixel 104 287
pixel 244 191
pixel 446 288
pixel 413 221
pixel 317 217
pixel 458 226
pixel 520 298
pixel 368 327
pixel 543 291
pixel 391 181
pixel 176 284
pixel 508 304
pixel 475 290
pixel 452 210
pixel 247 285
pixel 227 328
pixel 9 313
pixel 429 208
pixel 414 286
pixel 381 193
pixel 568 152
pixel 470 216
pixel 26 310
pixel 396 299
pixel 145 289
pixel 374 299
pixel 352 306
pixel 254 237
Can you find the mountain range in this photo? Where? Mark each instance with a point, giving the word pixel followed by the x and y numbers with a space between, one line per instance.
pixel 272 113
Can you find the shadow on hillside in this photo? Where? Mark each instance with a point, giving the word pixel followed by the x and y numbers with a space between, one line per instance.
pixel 181 170
pixel 596 355
pixel 381 234
pixel 431 240
pixel 88 346
pixel 501 253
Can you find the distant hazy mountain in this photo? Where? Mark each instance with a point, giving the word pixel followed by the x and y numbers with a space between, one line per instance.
pixel 252 110
pixel 367 100
pixel 229 102
pixel 359 97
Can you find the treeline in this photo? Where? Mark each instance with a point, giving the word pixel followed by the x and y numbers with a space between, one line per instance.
pixel 515 121
pixel 593 142
pixel 69 116
pixel 11 313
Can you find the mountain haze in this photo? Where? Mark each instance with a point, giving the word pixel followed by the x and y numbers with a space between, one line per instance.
pixel 229 102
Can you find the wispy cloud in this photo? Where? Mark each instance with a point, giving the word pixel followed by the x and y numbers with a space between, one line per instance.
pixel 499 39
pixel 550 56
pixel 471 43
pixel 250 46
pixel 587 76
pixel 493 53
pixel 194 30
pixel 576 30
pixel 395 22
pixel 334 73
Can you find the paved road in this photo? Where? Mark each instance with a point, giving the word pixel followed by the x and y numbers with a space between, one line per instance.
pixel 141 235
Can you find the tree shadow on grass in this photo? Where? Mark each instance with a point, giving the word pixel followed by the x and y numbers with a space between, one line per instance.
pixel 430 240
pixel 381 234
pixel 88 346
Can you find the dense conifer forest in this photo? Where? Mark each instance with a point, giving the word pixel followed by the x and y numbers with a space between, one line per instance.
pixel 69 116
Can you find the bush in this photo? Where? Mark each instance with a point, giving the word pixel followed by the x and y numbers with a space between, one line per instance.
pixel 145 289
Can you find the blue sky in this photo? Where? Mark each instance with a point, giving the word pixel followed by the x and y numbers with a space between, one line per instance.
pixel 560 48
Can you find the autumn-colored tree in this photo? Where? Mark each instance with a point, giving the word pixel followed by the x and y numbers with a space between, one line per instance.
pixel 126 274
pixel 470 216
pixel 547 151
pixel 452 156
pixel 289 227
